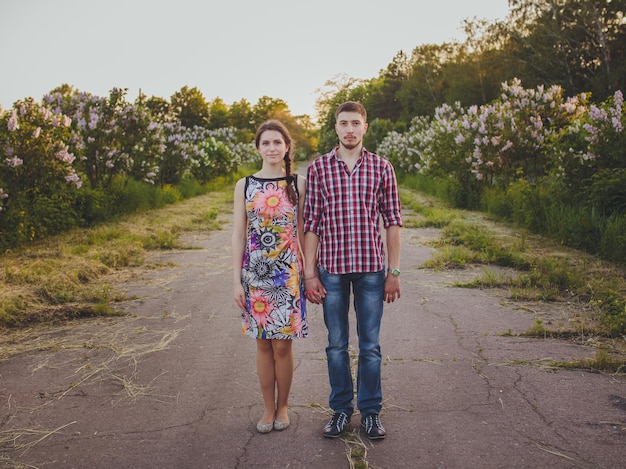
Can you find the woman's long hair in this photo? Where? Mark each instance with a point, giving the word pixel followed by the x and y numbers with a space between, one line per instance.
pixel 278 126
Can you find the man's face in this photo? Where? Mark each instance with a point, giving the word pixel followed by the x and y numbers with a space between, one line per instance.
pixel 350 129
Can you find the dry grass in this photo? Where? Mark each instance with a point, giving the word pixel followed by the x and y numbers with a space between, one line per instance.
pixel 100 351
pixel 71 275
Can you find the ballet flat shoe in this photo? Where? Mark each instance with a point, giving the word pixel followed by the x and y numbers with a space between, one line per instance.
pixel 280 426
pixel 264 427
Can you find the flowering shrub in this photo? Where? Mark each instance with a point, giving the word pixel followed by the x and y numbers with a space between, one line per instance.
pixel 111 137
pixel 406 150
pixel 47 151
pixel 214 159
pixel 553 164
pixel 591 156
pixel 525 134
pixel 36 170
pixel 143 140
pixel 181 149
pixel 512 132
pixel 239 142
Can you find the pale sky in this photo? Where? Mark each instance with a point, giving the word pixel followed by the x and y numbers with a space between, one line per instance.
pixel 231 49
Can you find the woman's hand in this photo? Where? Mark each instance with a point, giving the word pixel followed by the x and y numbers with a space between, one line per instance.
pixel 240 297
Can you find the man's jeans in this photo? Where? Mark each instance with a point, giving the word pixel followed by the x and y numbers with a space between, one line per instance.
pixel 368 291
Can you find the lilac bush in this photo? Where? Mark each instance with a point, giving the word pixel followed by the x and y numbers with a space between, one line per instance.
pixel 36 169
pixel 594 139
pixel 214 159
pixel 33 141
pixel 242 150
pixel 187 148
pixel 181 149
pixel 111 137
pixel 550 163
pixel 511 138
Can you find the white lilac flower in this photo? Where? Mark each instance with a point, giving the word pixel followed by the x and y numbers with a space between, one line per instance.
pixel 14 162
pixel 12 124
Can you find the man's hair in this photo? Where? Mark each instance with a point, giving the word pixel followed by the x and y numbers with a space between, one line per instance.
pixel 351 106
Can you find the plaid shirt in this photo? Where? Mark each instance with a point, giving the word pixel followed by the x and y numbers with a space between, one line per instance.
pixel 345 210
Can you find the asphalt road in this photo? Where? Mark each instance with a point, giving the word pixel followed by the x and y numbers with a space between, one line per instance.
pixel 173 384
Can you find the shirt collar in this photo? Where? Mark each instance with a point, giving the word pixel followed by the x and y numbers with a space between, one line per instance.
pixel 333 153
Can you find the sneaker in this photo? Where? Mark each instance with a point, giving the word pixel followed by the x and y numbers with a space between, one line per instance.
pixel 336 425
pixel 373 427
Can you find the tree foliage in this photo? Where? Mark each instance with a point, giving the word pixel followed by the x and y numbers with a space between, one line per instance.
pixel 579 45
pixel 190 107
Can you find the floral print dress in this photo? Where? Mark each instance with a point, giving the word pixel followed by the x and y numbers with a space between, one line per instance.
pixel 272 264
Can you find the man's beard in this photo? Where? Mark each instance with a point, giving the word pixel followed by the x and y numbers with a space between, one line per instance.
pixel 350 146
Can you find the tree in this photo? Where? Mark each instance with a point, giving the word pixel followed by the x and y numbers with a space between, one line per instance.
pixel 569 43
pixel 65 90
pixel 240 115
pixel 269 108
pixel 424 90
pixel 476 67
pixel 337 90
pixel 218 114
pixel 190 107
pixel 382 102
pixel 160 109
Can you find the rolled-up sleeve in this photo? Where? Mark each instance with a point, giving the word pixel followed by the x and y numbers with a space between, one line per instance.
pixel 390 208
pixel 312 201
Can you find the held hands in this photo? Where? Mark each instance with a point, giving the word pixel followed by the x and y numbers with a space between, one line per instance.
pixel 392 288
pixel 314 290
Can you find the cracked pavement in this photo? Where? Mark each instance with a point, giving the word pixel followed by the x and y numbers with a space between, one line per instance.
pixel 173 384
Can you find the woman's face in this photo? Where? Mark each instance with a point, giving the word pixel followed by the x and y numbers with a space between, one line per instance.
pixel 272 146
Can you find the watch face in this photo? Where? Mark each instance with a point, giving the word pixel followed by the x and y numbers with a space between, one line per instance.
pixel 395 272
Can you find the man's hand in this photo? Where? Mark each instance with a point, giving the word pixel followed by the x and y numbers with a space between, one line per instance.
pixel 392 288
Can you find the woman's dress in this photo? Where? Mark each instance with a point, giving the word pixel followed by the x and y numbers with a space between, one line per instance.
pixel 272 264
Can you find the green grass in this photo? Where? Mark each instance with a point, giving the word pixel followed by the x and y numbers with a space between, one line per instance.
pixel 602 361
pixel 541 271
pixel 71 275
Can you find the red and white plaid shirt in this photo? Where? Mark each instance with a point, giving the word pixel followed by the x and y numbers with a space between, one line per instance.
pixel 345 211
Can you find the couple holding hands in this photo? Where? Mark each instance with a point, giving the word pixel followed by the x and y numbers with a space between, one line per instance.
pixel 317 238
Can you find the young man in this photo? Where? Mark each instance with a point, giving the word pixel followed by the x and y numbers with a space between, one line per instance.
pixel 349 191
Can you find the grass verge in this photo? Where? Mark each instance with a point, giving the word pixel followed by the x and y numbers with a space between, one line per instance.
pixel 72 275
pixel 531 269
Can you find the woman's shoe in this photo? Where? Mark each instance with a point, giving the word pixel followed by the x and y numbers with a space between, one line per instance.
pixel 280 426
pixel 265 427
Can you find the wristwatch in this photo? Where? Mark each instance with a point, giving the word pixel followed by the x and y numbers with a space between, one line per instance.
pixel 394 272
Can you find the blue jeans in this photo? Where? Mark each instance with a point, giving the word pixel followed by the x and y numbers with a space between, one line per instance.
pixel 368 289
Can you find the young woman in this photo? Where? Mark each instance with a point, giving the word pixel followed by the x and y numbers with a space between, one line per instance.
pixel 268 267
